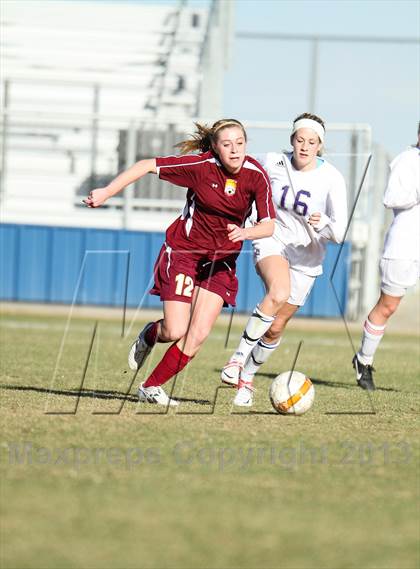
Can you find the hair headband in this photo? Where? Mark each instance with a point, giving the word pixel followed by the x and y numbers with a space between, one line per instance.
pixel 309 123
pixel 226 124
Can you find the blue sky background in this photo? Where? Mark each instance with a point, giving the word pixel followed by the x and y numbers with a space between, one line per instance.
pixel 364 83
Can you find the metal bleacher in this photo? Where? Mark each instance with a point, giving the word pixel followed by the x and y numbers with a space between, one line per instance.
pixel 88 88
pixel 77 77
pixel 138 54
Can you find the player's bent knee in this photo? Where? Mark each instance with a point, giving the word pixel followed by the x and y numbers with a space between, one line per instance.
pixel 173 332
pixel 389 308
pixel 278 296
pixel 198 337
pixel 388 305
pixel 193 340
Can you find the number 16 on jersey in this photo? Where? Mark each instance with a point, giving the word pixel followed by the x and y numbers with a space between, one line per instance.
pixel 299 206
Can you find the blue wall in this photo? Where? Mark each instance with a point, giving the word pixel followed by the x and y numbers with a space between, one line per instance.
pixel 89 266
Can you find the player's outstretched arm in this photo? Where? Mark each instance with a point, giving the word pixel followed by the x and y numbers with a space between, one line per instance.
pixel 99 196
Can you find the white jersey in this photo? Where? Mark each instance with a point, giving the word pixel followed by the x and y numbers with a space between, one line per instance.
pixel 296 196
pixel 402 194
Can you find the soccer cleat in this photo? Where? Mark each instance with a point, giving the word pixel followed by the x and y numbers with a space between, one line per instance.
pixel 231 372
pixel 244 395
pixel 364 374
pixel 156 395
pixel 139 350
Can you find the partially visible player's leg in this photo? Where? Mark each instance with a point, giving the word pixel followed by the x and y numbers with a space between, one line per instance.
pixel 173 325
pixel 264 348
pixel 169 265
pixel 384 309
pixel 268 343
pixel 300 288
pixel 198 323
pixel 274 271
pixel 206 307
pixel 397 276
pixel 375 324
pixel 373 332
pixel 169 329
pixel 301 285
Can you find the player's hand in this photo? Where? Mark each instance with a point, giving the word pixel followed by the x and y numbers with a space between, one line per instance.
pixel 318 221
pixel 97 197
pixel 314 219
pixel 235 233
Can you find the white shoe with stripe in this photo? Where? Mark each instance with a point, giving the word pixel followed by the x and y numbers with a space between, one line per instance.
pixel 231 372
pixel 244 396
pixel 155 395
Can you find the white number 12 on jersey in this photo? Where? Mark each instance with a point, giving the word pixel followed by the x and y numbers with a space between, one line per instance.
pixel 184 285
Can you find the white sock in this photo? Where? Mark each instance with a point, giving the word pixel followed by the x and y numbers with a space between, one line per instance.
pixel 259 355
pixel 372 335
pixel 255 329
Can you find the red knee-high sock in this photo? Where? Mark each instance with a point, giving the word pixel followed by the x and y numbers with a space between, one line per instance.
pixel 172 363
pixel 151 336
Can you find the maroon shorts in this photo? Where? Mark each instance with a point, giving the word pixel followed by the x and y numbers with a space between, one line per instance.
pixel 177 273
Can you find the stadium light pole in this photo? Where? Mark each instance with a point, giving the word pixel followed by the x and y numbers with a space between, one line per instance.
pixel 315 40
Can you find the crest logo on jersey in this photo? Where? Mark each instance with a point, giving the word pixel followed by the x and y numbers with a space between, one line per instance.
pixel 230 187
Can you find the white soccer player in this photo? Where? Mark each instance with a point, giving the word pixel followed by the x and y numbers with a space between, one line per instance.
pixel 311 208
pixel 400 260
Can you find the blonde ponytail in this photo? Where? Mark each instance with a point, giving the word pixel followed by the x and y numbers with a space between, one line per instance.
pixel 201 140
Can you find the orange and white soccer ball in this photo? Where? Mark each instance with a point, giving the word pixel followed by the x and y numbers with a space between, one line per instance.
pixel 292 393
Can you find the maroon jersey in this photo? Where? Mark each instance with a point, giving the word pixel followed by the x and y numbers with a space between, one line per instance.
pixel 214 198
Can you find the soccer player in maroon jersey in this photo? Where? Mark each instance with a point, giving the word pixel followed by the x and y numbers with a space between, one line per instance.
pixel 195 271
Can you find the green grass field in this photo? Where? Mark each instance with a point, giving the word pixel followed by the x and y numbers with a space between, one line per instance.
pixel 98 481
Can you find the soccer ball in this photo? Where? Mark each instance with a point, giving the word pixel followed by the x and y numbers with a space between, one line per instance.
pixel 292 393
